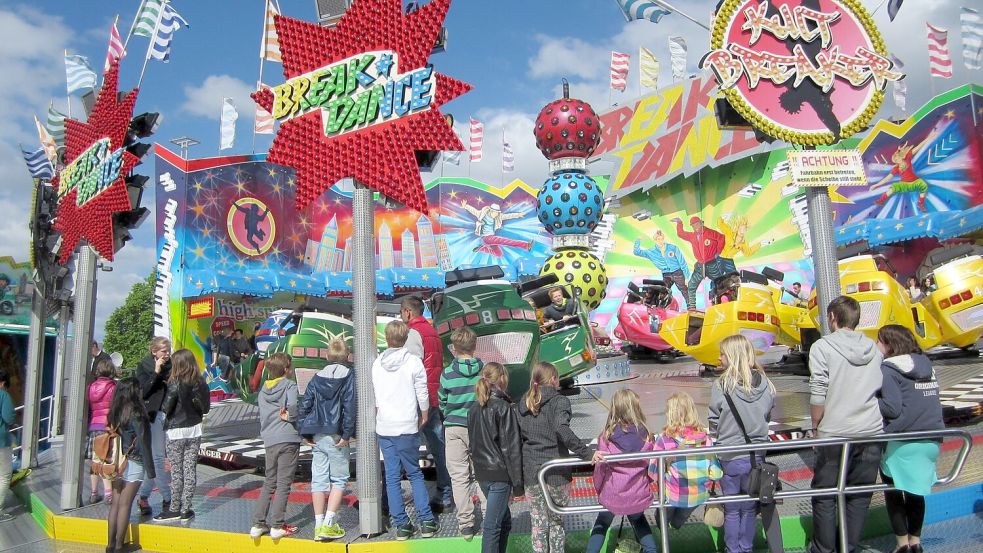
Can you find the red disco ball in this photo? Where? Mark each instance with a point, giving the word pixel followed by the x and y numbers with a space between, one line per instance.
pixel 567 128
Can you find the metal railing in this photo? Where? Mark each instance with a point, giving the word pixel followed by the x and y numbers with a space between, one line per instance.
pixel 840 491
pixel 46 419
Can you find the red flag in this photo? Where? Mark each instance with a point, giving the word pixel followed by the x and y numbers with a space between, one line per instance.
pixel 619 70
pixel 116 51
pixel 939 62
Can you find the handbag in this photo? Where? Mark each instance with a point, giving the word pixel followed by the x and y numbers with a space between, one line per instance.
pixel 626 545
pixel 713 513
pixel 109 460
pixel 763 481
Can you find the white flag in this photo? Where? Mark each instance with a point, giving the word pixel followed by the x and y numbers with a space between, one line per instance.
pixel 677 52
pixel 900 88
pixel 228 126
pixel 971 28
pixel 648 66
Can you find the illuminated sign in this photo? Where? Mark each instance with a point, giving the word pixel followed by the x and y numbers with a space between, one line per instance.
pixel 92 172
pixel 201 308
pixel 805 71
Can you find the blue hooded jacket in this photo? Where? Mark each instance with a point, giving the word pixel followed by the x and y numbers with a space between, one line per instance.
pixel 328 406
pixel 909 396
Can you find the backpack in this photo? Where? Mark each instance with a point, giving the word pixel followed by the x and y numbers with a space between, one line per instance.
pixel 108 457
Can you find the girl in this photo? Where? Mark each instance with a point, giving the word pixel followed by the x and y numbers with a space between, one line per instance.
pixel 128 416
pixel 914 290
pixel 100 395
pixel 493 433
pixel 185 404
pixel 623 488
pixel 544 417
pixel 688 481
pixel 753 396
pixel 909 401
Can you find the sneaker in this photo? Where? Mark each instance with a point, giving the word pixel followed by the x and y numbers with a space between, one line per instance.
pixel 94 498
pixel 144 507
pixel 318 533
pixel 187 515
pixel 4 517
pixel 405 531
pixel 330 532
pixel 429 528
pixel 257 531
pixel 108 498
pixel 282 532
pixel 468 532
pixel 166 506
pixel 167 516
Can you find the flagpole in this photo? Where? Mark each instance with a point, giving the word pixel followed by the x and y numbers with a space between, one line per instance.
pixel 133 26
pixel 68 95
pixel 669 7
pixel 262 58
pixel 153 38
pixel 620 9
pixel 879 6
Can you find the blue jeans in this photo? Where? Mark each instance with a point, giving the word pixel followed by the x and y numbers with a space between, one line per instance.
pixel 740 518
pixel 498 517
pixel 643 532
pixel 158 446
pixel 402 453
pixel 433 433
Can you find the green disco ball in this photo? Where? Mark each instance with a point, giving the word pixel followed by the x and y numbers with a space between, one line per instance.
pixel 582 271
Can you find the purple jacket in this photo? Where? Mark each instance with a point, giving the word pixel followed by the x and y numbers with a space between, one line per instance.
pixel 100 394
pixel 623 488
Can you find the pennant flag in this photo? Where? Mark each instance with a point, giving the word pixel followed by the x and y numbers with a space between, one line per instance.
pixel 642 9
pixel 56 125
pixel 939 62
pixel 453 157
pixel 677 53
pixel 619 70
pixel 228 125
pixel 264 119
pixel 170 21
pixel 892 8
pixel 79 74
pixel 508 157
pixel 115 51
pixel 146 20
pixel 477 139
pixel 900 88
pixel 38 163
pixel 971 28
pixel 269 48
pixel 648 66
pixel 48 143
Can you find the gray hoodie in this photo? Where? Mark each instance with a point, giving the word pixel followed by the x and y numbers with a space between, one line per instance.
pixel 845 377
pixel 277 393
pixel 754 408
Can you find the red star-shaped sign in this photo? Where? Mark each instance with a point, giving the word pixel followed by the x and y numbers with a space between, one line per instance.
pixel 381 156
pixel 93 220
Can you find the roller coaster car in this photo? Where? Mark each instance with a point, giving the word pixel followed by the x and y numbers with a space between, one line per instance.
pixel 957 303
pixel 796 328
pixel 507 325
pixel 640 317
pixel 883 300
pixel 743 305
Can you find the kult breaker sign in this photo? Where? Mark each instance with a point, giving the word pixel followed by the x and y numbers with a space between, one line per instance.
pixel 827 168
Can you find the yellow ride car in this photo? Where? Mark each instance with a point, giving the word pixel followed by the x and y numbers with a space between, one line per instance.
pixel 957 302
pixel 796 328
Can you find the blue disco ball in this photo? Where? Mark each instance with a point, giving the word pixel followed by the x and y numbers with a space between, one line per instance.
pixel 570 203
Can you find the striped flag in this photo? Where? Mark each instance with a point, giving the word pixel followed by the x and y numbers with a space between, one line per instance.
pixel 170 21
pixel 677 53
pixel 971 28
pixel 38 164
pixel 228 125
pixel 477 139
pixel 642 9
pixel 55 125
pixel 508 157
pixel 264 119
pixel 619 70
pixel 47 143
pixel 79 73
pixel 900 88
pixel 269 48
pixel 648 66
pixel 939 62
pixel 115 51
pixel 892 8
pixel 146 19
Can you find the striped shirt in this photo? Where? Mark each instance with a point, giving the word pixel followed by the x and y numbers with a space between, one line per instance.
pixel 456 393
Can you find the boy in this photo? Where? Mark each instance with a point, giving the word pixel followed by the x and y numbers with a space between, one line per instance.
pixel 456 395
pixel 327 415
pixel 277 415
pixel 402 404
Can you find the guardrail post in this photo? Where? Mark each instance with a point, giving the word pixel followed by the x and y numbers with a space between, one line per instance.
pixel 663 519
pixel 841 497
pixel 31 416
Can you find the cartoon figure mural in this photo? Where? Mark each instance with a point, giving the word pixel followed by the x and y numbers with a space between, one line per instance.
pixel 668 258
pixel 251 222
pixel 488 222
pixel 707 246
pixel 908 180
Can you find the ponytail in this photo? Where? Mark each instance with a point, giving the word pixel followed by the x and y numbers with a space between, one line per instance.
pixel 493 375
pixel 542 375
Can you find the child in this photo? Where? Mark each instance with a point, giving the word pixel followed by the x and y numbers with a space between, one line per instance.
pixel 277 413
pixel 546 435
pixel 129 417
pixel 456 395
pixel 623 488
pixel 327 414
pixel 6 421
pixel 185 405
pixel 402 402
pixel 688 480
pixel 100 395
pixel 493 430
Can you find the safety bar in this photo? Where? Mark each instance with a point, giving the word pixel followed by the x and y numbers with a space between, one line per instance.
pixel 840 491
pixel 51 427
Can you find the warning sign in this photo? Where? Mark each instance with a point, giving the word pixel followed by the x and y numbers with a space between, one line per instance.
pixel 827 168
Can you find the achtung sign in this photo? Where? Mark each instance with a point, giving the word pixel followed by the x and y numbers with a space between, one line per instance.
pixel 827 168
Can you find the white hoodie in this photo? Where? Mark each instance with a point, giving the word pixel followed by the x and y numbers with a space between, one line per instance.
pixel 400 384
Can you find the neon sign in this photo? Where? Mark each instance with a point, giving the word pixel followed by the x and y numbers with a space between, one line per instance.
pixel 92 172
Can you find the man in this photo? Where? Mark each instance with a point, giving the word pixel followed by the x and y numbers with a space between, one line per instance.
pixel 424 343
pixel 559 312
pixel 668 258
pixel 240 346
pixel 707 245
pixel 798 298
pixel 223 352
pixel 844 381
pixel 97 355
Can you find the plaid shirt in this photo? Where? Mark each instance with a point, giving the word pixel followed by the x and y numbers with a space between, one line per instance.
pixel 688 480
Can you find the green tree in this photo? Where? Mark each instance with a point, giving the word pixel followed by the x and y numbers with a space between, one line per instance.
pixel 131 326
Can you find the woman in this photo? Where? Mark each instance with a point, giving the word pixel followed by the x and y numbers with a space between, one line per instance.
pixel 128 417
pixel 742 392
pixel 100 395
pixel 909 401
pixel 914 290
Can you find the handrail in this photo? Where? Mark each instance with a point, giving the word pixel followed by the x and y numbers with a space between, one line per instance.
pixel 51 430
pixel 841 490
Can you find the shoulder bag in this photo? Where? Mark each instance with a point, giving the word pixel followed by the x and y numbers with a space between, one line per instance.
pixel 763 480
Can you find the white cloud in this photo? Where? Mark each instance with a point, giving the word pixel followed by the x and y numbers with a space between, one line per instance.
pixel 205 99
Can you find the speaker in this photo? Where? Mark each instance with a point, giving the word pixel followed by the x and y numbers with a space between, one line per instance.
pixel 329 11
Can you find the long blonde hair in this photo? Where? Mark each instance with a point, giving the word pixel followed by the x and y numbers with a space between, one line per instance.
pixel 493 375
pixel 542 375
pixel 626 410
pixel 741 364
pixel 681 414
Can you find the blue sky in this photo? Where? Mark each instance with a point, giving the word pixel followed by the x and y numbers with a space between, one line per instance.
pixel 513 51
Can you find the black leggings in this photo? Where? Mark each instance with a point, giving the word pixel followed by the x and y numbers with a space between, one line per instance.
pixel 119 512
pixel 905 510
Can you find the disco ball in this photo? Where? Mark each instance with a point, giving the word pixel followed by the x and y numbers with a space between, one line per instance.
pixel 580 270
pixel 570 203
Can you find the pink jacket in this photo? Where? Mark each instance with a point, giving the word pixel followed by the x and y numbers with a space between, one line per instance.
pixel 100 394
pixel 622 488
